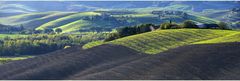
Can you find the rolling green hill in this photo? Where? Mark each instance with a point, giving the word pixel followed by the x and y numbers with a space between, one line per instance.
pixel 23 18
pixel 33 20
pixel 162 40
pixel 39 21
pixel 73 26
pixel 73 21
pixel 76 22
pixel 65 20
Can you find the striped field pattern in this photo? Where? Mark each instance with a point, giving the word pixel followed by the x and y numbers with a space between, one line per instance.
pixel 162 40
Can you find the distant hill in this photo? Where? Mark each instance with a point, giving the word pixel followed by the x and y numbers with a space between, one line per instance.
pixel 14 9
pixel 210 61
pixel 222 15
pixel 10 8
pixel 92 21
pixel 33 20
pixel 74 16
pixel 43 6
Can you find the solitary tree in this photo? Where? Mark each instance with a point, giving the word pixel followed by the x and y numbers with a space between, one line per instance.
pixel 223 25
pixel 58 30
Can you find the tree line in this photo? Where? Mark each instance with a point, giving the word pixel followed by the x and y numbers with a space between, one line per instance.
pixel 43 43
pixel 10 29
pixel 132 30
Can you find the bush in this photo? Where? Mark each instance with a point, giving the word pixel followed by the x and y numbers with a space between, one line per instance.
pixel 126 31
pixel 48 31
pixel 37 31
pixel 189 24
pixel 165 26
pixel 170 26
pixel 112 36
pixel 58 30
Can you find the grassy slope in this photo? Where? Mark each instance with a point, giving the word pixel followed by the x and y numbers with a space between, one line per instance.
pixel 234 37
pixel 73 26
pixel 162 40
pixel 65 20
pixel 39 21
pixel 23 18
pixel 203 19
pixel 82 24
pixel 33 20
pixel 215 14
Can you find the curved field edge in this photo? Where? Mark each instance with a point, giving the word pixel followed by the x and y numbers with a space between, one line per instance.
pixel 24 18
pixel 73 26
pixel 162 40
pixel 234 37
pixel 9 59
pixel 65 20
pixel 93 44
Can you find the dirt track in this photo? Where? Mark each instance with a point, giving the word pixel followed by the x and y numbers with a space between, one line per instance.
pixel 218 61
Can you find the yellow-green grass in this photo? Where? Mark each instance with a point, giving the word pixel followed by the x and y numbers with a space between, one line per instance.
pixel 9 59
pixel 234 37
pixel 92 44
pixel 39 21
pixel 56 14
pixel 162 40
pixel 73 26
pixel 65 20
pixel 86 24
pixel 12 35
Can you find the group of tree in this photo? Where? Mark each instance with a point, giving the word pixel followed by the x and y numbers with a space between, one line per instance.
pixel 22 30
pixel 44 31
pixel 43 43
pixel 192 24
pixel 131 30
pixel 10 29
